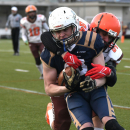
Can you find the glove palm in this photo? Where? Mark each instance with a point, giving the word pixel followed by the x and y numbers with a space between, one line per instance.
pixel 72 81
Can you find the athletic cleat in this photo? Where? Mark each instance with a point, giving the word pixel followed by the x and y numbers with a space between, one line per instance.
pixel 41 77
pixel 49 107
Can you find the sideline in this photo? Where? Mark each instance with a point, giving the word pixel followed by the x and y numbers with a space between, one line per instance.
pixel 44 94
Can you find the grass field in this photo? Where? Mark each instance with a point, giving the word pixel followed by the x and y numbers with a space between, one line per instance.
pixel 22 97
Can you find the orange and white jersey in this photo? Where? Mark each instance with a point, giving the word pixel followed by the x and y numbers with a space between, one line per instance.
pixel 83 25
pixel 31 32
pixel 115 54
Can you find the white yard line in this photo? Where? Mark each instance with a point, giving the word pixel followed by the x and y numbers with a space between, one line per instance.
pixel 20 70
pixel 17 62
pixel 39 93
pixel 123 73
pixel 23 90
pixel 125 58
pixel 12 51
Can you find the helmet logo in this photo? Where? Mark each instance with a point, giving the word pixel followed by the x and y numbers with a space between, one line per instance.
pixel 112 33
pixel 58 26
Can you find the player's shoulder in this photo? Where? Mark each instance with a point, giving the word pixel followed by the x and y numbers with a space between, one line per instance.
pixel 23 20
pixel 116 53
pixel 94 41
pixel 84 25
pixel 41 17
pixel 11 15
pixel 46 56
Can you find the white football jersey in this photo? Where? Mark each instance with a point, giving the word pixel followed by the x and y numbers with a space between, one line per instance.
pixel 31 32
pixel 114 54
pixel 83 25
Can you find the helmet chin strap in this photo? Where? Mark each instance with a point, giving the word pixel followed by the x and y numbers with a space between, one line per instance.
pixel 64 46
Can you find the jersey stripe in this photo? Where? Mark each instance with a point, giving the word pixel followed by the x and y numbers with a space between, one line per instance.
pixel 93 40
pixel 87 38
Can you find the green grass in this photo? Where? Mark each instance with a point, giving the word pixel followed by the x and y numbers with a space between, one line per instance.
pixel 21 110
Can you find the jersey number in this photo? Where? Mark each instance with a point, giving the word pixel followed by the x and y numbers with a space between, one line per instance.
pixel 114 48
pixel 34 32
pixel 83 26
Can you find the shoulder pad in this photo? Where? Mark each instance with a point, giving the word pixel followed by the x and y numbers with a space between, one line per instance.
pixel 23 20
pixel 84 25
pixel 42 17
pixel 115 53
pixel 94 41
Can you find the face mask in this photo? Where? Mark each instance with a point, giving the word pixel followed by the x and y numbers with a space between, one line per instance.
pixel 32 17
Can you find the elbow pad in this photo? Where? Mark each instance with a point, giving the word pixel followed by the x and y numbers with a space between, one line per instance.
pixel 111 80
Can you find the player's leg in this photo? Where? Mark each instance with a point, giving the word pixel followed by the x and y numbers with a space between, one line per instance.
pixel 103 107
pixel 17 40
pixel 50 115
pixel 80 111
pixel 34 47
pixel 41 47
pixel 98 125
pixel 112 124
pixel 61 118
pixel 13 39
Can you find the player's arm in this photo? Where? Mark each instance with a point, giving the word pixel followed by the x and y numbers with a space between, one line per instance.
pixel 24 35
pixel 51 45
pixel 7 23
pixel 50 78
pixel 45 26
pixel 111 80
pixel 89 84
pixel 108 71
pixel 100 60
pixel 23 31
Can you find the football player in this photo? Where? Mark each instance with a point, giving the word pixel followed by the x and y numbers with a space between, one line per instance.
pixel 57 115
pixel 113 56
pixel 87 46
pixel 32 28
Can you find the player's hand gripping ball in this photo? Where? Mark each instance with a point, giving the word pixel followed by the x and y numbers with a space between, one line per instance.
pixel 69 77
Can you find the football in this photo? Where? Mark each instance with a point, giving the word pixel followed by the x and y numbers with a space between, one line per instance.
pixel 61 77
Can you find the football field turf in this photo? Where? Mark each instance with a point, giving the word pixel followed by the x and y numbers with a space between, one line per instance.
pixel 22 97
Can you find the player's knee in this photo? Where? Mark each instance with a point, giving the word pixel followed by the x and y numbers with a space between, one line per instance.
pixel 113 125
pixel 38 61
pixel 89 128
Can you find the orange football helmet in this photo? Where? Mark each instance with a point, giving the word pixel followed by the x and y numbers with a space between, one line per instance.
pixel 107 22
pixel 30 8
pixel 31 12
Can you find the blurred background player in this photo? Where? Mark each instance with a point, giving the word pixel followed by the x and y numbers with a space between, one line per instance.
pixel 13 22
pixel 32 28
pixel 112 55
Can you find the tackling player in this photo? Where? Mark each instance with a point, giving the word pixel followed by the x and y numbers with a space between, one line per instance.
pixel 32 28
pixel 83 84
pixel 113 56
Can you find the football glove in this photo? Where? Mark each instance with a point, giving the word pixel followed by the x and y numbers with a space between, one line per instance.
pixel 98 71
pixel 72 81
pixel 88 84
pixel 26 42
pixel 72 60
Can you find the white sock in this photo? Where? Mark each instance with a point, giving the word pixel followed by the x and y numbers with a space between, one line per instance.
pixel 51 117
pixel 98 128
pixel 40 68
